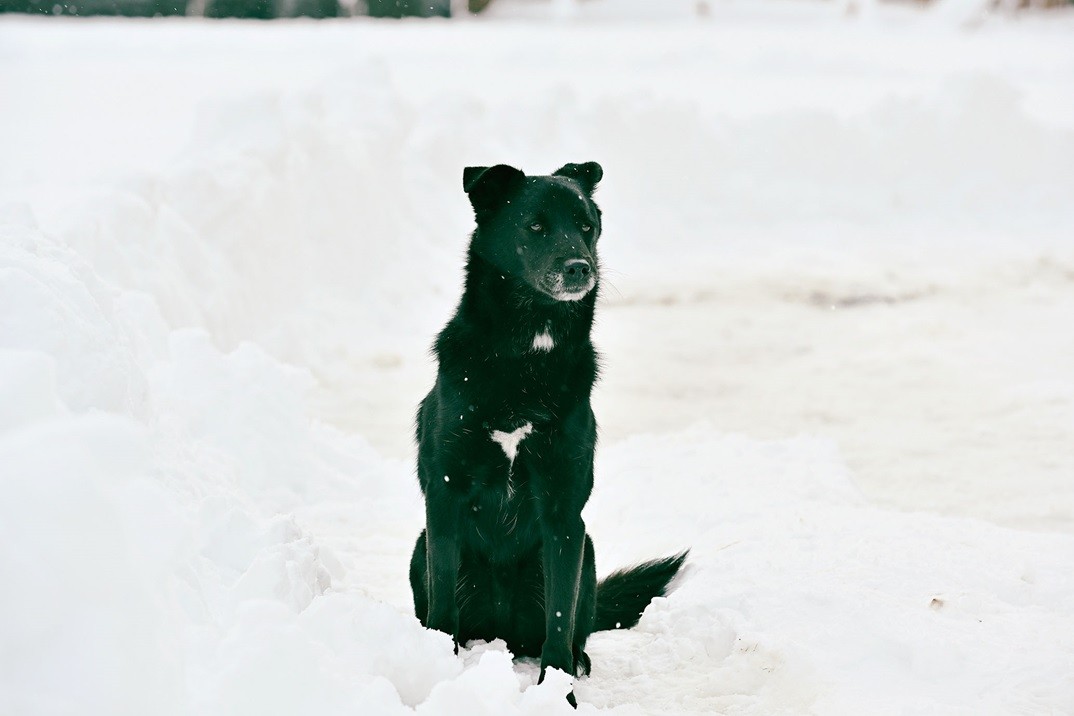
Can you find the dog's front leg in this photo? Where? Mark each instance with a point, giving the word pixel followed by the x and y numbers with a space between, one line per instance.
pixel 563 534
pixel 442 545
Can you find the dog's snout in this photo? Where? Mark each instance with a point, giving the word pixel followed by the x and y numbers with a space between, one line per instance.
pixel 577 269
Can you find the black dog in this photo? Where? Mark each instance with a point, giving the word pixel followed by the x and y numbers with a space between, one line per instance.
pixel 506 435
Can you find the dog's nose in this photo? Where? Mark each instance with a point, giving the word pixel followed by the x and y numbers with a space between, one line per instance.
pixel 576 269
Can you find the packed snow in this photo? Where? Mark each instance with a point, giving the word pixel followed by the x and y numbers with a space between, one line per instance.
pixel 837 326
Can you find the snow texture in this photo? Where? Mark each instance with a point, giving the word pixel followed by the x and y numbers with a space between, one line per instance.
pixel 838 287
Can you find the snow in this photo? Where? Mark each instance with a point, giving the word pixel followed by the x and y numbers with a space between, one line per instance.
pixel 846 382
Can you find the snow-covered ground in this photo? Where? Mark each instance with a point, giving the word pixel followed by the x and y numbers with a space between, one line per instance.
pixel 838 334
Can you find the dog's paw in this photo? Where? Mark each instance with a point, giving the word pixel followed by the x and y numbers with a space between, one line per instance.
pixel 582 664
pixel 570 694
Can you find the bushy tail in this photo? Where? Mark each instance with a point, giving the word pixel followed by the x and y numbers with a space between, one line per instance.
pixel 622 596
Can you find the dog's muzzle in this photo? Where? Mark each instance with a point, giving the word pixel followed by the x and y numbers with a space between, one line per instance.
pixel 575 279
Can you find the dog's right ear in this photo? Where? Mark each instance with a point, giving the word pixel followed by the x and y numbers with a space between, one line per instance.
pixel 487 186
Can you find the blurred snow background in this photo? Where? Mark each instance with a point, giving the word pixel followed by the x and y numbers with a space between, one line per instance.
pixel 837 326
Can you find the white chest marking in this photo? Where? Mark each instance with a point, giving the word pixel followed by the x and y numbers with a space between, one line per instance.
pixel 543 342
pixel 510 441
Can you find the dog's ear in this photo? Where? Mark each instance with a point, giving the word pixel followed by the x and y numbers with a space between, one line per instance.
pixel 587 175
pixel 487 186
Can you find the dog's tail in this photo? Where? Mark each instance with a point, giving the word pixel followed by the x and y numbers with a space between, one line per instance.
pixel 622 596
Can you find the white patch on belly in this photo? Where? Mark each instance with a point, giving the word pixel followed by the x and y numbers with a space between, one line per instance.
pixel 543 342
pixel 510 441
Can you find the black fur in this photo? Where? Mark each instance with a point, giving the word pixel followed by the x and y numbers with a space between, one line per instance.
pixel 505 553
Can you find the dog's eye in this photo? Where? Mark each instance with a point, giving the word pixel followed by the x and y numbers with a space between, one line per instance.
pixel 586 228
pixel 536 227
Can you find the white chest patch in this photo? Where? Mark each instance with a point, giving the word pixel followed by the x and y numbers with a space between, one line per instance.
pixel 543 342
pixel 510 441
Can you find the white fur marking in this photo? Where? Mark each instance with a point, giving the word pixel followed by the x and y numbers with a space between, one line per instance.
pixel 560 293
pixel 571 296
pixel 543 342
pixel 510 441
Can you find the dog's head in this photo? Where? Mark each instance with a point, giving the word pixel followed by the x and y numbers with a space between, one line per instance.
pixel 541 230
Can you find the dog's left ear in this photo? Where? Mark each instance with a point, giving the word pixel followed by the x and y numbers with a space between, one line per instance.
pixel 587 175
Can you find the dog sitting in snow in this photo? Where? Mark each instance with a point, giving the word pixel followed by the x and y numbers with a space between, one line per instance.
pixel 506 435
